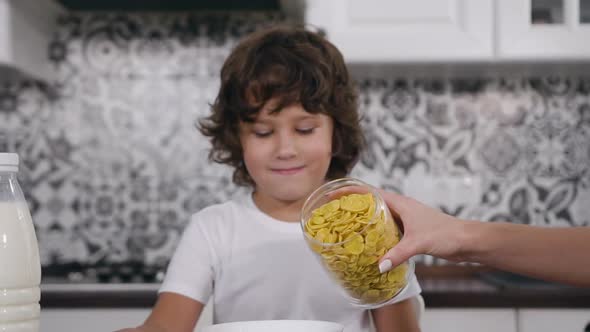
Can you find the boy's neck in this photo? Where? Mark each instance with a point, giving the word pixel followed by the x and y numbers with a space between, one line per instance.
pixel 289 211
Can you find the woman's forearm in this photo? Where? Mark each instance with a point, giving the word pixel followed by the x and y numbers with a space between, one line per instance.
pixel 557 254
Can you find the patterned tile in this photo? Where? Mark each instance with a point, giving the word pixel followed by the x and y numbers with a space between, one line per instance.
pixel 113 166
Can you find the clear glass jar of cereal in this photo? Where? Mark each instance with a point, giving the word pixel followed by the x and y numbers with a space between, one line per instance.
pixel 348 225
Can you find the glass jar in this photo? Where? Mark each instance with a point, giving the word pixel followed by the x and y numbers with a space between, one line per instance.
pixel 349 227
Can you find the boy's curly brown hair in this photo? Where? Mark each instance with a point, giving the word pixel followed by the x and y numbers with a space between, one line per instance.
pixel 293 65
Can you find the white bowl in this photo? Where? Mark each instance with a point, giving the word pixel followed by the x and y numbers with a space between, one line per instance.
pixel 276 325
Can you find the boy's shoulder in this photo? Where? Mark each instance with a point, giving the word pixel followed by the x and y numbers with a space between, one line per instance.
pixel 222 214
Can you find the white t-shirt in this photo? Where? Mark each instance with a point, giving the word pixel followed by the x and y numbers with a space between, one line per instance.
pixel 258 268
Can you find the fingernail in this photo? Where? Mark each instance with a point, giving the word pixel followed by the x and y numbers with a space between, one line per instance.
pixel 385 266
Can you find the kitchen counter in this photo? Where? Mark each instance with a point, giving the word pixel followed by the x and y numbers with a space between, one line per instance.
pixel 481 287
pixel 442 287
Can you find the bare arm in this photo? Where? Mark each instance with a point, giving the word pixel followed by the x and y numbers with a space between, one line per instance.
pixel 172 313
pixel 396 317
pixel 557 254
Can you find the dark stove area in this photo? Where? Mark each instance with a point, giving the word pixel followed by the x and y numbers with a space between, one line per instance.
pixel 111 273
pixel 512 281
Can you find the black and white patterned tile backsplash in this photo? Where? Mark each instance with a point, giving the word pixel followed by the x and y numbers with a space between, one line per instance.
pixel 113 165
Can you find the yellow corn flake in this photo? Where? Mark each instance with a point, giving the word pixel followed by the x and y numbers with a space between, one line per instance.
pixel 371 295
pixel 356 202
pixel 341 228
pixel 356 245
pixel 347 218
pixel 366 260
pixel 316 247
pixel 379 227
pixel 397 274
pixel 331 206
pixel 339 266
pixel 321 234
pixel 372 237
pixel 312 229
pixel 331 238
pixel 317 221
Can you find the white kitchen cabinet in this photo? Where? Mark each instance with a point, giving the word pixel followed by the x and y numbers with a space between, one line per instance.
pixel 105 319
pixel 406 31
pixel 26 27
pixel 553 320
pixel 469 320
pixel 397 31
pixel 90 320
pixel 543 29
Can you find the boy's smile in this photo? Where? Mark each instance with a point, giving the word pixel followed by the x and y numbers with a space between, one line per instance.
pixel 287 171
pixel 287 154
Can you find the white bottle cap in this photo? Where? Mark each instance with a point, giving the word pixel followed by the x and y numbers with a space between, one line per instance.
pixel 8 162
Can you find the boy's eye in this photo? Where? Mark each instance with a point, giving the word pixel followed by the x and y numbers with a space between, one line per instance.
pixel 262 133
pixel 305 131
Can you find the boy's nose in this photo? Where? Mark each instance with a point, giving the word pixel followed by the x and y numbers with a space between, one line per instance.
pixel 286 147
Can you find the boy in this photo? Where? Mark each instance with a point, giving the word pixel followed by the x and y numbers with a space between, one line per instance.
pixel 286 119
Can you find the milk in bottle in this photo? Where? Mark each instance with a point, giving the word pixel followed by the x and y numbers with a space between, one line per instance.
pixel 20 268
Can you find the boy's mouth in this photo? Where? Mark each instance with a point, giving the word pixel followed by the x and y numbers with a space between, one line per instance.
pixel 287 171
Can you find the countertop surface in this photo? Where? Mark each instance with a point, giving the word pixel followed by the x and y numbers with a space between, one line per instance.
pixel 442 287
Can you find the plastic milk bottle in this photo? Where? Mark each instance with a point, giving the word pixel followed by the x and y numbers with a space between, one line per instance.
pixel 20 268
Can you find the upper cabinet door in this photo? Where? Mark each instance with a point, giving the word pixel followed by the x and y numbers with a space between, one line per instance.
pixel 26 27
pixel 406 31
pixel 543 29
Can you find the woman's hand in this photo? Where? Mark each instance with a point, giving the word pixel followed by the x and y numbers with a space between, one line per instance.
pixel 426 231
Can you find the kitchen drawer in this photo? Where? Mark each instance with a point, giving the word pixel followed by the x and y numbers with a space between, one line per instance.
pixel 469 320
pixel 91 320
pixel 101 320
pixel 550 320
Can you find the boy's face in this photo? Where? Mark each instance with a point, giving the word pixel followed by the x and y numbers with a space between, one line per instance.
pixel 287 153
